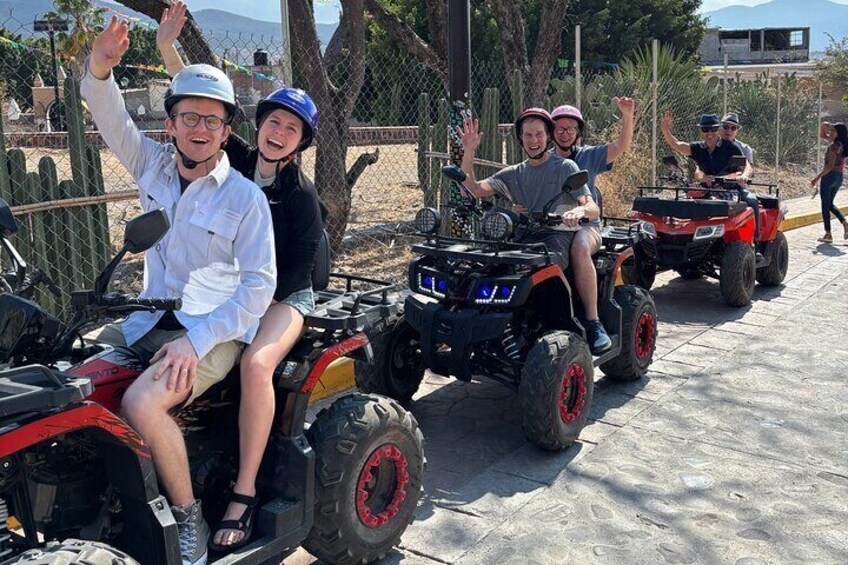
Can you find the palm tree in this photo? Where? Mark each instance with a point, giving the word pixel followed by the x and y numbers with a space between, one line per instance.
pixel 85 21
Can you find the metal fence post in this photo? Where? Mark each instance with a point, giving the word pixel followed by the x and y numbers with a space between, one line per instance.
pixel 578 70
pixel 724 89
pixel 817 143
pixel 287 48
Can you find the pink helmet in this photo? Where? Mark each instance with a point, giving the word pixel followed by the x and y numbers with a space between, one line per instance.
pixel 567 111
pixel 539 114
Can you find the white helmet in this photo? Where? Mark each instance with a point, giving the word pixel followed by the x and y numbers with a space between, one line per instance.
pixel 201 81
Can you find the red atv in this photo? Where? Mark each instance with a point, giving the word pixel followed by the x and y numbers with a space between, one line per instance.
pixel 344 487
pixel 710 232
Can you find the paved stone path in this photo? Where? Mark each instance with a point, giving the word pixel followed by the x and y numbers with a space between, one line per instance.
pixel 733 449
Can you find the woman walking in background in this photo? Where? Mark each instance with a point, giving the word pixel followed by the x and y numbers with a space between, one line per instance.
pixel 831 175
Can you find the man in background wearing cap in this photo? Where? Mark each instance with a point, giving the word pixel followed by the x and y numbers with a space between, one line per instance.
pixel 712 155
pixel 729 130
pixel 218 257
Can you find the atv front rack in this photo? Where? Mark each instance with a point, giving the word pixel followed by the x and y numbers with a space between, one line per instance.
pixel 347 309
pixel 483 251
pixel 36 388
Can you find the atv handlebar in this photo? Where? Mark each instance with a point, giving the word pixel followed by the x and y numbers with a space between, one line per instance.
pixel 117 300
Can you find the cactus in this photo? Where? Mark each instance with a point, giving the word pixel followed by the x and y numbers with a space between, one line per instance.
pixel 19 195
pixel 439 183
pixel 52 247
pixel 490 144
pixel 5 181
pixel 247 132
pixel 99 213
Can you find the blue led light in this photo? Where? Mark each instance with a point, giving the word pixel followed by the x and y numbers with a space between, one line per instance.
pixel 505 291
pixel 428 281
pixel 442 285
pixel 485 291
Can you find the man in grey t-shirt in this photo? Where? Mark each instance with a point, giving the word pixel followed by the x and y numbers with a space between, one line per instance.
pixel 531 184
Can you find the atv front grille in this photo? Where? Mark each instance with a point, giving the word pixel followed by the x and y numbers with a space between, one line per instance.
pixel 678 251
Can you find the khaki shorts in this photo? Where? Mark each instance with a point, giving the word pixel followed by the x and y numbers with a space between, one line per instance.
pixel 594 233
pixel 212 368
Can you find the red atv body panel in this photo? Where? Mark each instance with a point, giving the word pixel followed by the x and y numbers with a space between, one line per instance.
pixel 111 372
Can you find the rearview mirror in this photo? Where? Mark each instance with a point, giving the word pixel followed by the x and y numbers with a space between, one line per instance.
pixel 8 225
pixel 143 232
pixel 454 173
pixel 575 181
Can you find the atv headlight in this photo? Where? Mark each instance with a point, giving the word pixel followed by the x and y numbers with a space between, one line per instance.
pixel 496 226
pixel 649 229
pixel 427 220
pixel 432 283
pixel 708 232
pixel 492 292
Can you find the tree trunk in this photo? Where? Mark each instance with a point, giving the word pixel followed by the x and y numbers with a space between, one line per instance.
pixel 194 44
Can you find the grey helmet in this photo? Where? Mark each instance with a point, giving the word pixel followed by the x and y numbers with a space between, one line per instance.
pixel 201 81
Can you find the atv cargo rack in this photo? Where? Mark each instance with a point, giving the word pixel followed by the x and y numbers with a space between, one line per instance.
pixel 35 387
pixel 346 309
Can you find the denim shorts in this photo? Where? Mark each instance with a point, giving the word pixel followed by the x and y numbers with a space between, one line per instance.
pixel 301 300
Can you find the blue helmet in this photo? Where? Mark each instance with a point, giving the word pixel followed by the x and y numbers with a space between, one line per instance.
pixel 297 102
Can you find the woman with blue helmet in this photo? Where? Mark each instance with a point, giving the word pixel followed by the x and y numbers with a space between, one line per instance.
pixel 286 123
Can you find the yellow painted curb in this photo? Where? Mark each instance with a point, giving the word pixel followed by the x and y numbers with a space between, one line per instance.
pixel 337 377
pixel 795 221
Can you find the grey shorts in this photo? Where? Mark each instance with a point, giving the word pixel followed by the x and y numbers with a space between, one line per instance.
pixel 557 242
pixel 301 300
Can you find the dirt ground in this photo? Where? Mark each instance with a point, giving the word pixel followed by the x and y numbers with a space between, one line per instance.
pixel 387 193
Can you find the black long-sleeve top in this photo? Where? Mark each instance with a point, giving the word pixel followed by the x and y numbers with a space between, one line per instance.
pixel 297 215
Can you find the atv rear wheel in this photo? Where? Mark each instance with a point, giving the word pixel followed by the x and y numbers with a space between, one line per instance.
pixel 397 370
pixel 638 334
pixel 556 390
pixel 774 273
pixel 369 461
pixel 640 271
pixel 74 551
pixel 738 273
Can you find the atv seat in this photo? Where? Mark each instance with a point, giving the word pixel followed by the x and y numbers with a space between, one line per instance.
pixel 687 209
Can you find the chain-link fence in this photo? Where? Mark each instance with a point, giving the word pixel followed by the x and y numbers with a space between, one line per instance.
pixel 377 168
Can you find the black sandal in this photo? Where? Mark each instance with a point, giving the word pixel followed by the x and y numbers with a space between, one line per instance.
pixel 244 524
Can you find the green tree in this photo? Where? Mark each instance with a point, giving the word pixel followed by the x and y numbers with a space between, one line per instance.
pixel 85 21
pixel 613 29
pixel 21 65
pixel 833 70
pixel 142 51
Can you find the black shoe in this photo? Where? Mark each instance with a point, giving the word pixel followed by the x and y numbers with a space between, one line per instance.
pixel 596 335
pixel 759 257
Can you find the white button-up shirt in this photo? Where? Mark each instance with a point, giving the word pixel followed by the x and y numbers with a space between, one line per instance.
pixel 218 255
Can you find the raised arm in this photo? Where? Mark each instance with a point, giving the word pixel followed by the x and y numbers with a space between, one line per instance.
pixel 826 132
pixel 469 135
pixel 626 106
pixel 170 26
pixel 678 146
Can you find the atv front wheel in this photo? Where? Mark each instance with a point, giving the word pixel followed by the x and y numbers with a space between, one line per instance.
pixel 369 464
pixel 774 273
pixel 556 390
pixel 397 371
pixel 638 334
pixel 738 273
pixel 74 552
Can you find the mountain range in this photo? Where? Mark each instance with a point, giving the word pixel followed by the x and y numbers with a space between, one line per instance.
pixel 17 17
pixel 821 16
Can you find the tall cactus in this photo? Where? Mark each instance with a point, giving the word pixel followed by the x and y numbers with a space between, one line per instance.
pixel 52 247
pixel 5 181
pixel 247 131
pixel 490 144
pixel 19 195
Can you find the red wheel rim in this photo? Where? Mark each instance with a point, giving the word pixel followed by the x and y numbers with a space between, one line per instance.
pixel 572 394
pixel 644 338
pixel 381 488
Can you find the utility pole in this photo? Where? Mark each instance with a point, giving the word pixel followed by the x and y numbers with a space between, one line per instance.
pixel 51 26
pixel 459 84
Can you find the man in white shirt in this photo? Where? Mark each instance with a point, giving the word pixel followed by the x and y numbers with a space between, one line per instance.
pixel 218 257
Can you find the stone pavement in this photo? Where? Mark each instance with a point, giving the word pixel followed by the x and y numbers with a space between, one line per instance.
pixel 733 449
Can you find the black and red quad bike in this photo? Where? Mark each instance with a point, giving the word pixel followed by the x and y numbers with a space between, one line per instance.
pixel 505 310
pixel 710 233
pixel 344 487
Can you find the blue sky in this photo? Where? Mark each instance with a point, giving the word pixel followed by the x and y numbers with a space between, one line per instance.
pixel 326 11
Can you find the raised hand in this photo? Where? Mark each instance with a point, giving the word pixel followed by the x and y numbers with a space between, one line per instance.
pixel 469 134
pixel 109 47
pixel 667 121
pixel 171 24
pixel 625 105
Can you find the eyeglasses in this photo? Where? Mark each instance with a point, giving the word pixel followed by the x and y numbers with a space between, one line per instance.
pixel 191 119
pixel 730 127
pixel 709 129
pixel 561 130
